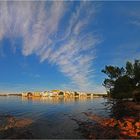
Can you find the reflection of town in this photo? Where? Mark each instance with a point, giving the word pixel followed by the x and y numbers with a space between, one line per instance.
pixel 53 100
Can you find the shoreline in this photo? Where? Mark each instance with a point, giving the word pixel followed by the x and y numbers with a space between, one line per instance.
pixel 123 123
pixel 120 126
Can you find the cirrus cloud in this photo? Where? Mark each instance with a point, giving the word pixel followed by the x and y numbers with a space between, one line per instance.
pixel 54 34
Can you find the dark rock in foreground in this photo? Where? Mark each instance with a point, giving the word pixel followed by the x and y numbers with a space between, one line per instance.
pixel 125 127
pixel 11 127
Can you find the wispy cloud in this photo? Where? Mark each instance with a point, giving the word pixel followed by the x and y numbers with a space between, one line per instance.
pixel 128 48
pixel 34 75
pixel 135 17
pixel 39 25
pixel 136 22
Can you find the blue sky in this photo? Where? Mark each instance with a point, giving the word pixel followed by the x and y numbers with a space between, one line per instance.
pixel 65 45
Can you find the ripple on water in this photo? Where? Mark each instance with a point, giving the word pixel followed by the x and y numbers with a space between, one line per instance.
pixel 52 119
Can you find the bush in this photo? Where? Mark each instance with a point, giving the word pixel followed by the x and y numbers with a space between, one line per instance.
pixel 123 82
pixel 123 88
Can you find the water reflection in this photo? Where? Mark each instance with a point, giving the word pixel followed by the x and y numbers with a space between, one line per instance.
pixel 54 100
pixel 51 115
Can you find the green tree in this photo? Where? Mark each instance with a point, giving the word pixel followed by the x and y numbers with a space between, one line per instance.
pixel 123 87
pixel 122 82
pixel 113 72
pixel 129 69
pixel 133 71
pixel 137 72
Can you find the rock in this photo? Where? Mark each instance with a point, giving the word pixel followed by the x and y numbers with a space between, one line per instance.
pixel 10 127
pixel 23 123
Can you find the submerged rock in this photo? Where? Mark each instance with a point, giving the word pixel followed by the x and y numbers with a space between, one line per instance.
pixel 11 127
pixel 125 126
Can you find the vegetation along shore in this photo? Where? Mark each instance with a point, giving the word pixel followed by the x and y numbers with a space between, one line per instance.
pixel 123 88
pixel 123 95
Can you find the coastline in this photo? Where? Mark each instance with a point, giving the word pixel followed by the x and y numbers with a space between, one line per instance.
pixel 124 118
pixel 119 126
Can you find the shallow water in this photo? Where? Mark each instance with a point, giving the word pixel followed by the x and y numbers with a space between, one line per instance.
pixel 53 117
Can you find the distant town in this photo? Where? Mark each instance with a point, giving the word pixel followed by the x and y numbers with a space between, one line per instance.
pixel 55 93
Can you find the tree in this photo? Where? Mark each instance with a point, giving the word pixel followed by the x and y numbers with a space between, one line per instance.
pixel 123 87
pixel 108 83
pixel 121 82
pixel 137 72
pixel 113 72
pixel 133 71
pixel 129 69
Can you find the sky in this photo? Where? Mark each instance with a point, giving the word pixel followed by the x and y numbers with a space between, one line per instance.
pixel 64 45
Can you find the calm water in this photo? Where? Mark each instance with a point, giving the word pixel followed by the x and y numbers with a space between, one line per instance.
pixel 52 117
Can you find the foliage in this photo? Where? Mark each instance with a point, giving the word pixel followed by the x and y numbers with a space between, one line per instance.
pixel 113 72
pixel 123 87
pixel 122 82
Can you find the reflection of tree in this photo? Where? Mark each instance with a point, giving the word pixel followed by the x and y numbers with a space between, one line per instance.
pixel 121 108
pixel 123 123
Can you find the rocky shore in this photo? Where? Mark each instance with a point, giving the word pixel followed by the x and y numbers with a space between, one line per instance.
pixel 13 128
pixel 124 123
